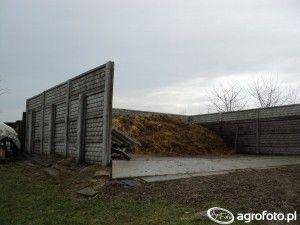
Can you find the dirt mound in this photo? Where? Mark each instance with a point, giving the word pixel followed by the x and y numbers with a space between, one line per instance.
pixel 167 135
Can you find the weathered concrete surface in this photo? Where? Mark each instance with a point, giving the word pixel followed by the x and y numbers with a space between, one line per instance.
pixel 102 174
pixel 92 190
pixel 88 192
pixel 180 176
pixel 51 172
pixel 196 166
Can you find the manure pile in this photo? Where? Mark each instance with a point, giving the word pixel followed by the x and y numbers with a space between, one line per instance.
pixel 165 135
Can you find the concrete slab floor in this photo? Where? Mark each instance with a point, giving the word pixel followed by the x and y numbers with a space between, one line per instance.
pixel 183 167
pixel 180 176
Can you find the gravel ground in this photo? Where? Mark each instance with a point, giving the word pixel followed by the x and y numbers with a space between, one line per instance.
pixel 274 190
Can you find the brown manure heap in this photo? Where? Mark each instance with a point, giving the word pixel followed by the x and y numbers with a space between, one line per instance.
pixel 166 135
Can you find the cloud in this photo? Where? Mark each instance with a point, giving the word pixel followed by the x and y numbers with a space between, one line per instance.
pixel 192 96
pixel 161 49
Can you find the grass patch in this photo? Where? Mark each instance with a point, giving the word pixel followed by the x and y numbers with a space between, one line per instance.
pixel 27 198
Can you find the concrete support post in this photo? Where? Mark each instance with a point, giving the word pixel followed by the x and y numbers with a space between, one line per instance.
pixel 81 128
pixel 23 132
pixel 107 114
pixel 30 133
pixel 257 138
pixel 67 119
pixel 42 124
pixel 51 129
pixel 220 123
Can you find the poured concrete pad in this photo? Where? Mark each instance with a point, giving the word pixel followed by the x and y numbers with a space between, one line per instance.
pixel 165 177
pixel 180 176
pixel 185 167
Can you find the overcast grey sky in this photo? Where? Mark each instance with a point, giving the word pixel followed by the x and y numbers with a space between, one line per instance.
pixel 167 53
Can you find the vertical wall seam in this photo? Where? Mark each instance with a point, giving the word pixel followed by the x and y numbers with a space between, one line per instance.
pixel 51 129
pixel 81 128
pixel 42 125
pixel 26 128
pixel 67 120
pixel 33 116
pixel 257 132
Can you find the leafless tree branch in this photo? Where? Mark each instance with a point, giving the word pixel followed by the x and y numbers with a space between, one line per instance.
pixel 292 95
pixel 2 90
pixel 226 99
pixel 269 92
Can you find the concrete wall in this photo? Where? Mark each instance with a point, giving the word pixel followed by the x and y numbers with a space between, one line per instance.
pixel 273 130
pixel 73 118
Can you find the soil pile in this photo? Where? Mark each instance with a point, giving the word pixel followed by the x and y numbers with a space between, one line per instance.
pixel 165 135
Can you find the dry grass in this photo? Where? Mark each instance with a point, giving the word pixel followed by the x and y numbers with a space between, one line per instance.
pixel 29 196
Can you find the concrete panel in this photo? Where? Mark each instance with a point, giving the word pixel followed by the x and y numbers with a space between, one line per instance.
pixel 53 128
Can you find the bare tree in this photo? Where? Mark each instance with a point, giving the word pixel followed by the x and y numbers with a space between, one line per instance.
pixel 269 92
pixel 227 98
pixel 292 95
pixel 2 90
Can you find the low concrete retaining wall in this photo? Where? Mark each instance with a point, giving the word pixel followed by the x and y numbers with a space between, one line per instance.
pixel 274 130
